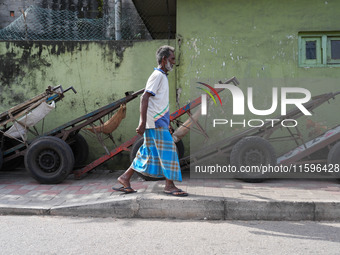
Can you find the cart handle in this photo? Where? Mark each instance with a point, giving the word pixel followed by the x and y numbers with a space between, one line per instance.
pixel 59 95
pixel 73 89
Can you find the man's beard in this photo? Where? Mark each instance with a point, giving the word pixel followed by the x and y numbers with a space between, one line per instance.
pixel 168 66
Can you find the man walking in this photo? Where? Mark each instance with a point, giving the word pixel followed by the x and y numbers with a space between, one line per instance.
pixel 157 157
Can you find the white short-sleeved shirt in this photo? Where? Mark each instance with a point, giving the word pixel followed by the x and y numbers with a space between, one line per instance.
pixel 158 107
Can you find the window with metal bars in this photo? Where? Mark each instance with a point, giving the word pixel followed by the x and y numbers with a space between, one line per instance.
pixel 319 49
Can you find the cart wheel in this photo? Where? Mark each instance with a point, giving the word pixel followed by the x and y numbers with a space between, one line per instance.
pixel 138 144
pixel 334 160
pixel 80 150
pixel 252 151
pixel 135 147
pixel 49 160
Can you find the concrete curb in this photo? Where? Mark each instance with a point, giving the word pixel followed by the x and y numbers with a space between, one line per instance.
pixel 197 208
pixel 23 210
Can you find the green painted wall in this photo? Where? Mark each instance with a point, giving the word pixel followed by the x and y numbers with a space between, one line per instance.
pixel 256 41
pixel 101 72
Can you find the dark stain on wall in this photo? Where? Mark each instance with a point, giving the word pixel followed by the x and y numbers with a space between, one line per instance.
pixel 23 56
pixel 113 97
pixel 73 103
pixel 58 48
pixel 14 63
pixel 117 48
pixel 9 68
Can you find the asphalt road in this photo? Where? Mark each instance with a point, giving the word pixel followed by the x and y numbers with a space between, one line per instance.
pixel 62 235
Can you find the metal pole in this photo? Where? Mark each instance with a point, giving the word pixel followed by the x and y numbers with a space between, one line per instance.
pixel 118 19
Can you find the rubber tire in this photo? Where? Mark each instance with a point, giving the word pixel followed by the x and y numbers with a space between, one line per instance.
pixel 80 149
pixel 254 145
pixel 49 146
pixel 334 158
pixel 139 143
pixel 135 147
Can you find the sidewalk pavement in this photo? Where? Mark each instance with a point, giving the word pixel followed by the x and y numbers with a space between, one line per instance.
pixel 211 199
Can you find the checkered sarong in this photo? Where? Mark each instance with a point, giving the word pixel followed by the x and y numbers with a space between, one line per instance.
pixel 157 157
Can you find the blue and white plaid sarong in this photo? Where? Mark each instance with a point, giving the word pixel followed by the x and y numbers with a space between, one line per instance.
pixel 157 157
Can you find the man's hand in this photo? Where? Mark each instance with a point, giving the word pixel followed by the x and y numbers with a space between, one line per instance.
pixel 140 129
pixel 171 130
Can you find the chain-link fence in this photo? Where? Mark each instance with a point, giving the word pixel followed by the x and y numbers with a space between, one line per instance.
pixel 127 20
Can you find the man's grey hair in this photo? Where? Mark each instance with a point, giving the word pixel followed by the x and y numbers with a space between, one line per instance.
pixel 164 51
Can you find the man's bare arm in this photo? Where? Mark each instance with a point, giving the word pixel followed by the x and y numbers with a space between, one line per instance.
pixel 144 103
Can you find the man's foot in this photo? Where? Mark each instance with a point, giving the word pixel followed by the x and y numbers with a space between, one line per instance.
pixel 176 192
pixel 124 181
pixel 171 189
pixel 126 190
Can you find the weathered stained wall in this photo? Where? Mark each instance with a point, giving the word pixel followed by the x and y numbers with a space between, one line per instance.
pixel 101 72
pixel 256 41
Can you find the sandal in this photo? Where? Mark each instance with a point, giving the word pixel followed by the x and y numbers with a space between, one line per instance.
pixel 176 193
pixel 126 190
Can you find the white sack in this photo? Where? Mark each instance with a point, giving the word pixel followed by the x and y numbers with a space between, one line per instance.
pixel 29 120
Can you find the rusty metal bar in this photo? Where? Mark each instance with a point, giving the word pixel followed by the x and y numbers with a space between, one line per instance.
pixel 103 159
